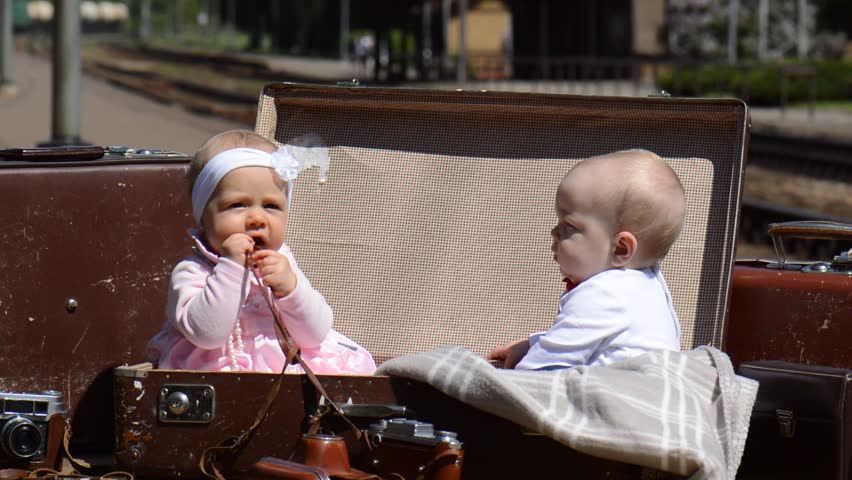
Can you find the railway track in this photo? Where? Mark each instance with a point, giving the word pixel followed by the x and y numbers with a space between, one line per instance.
pixel 794 156
pixel 818 158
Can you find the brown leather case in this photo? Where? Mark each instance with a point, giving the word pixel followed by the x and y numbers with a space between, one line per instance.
pixel 789 315
pixel 801 425
pixel 796 311
pixel 87 247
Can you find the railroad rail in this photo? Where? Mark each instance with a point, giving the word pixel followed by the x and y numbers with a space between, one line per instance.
pixel 813 157
pixel 800 156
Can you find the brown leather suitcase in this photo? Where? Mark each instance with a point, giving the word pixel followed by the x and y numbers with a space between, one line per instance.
pixel 793 310
pixel 801 425
pixel 88 242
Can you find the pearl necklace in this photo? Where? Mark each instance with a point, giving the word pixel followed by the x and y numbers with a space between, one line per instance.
pixel 232 352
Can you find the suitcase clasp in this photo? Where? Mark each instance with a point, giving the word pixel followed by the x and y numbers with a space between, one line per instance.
pixel 786 422
pixel 186 403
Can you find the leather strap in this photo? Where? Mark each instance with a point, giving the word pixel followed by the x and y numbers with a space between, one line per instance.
pixel 53 474
pixel 66 440
pixel 292 352
pixel 207 462
pixel 71 466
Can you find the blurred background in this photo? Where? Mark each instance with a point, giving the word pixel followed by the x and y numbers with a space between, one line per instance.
pixel 168 74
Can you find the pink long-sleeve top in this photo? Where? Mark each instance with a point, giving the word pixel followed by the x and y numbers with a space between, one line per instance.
pixel 208 295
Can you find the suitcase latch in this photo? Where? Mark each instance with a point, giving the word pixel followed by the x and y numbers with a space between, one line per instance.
pixel 186 403
pixel 786 422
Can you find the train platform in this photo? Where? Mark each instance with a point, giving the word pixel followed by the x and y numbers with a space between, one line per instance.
pixel 109 115
pixel 828 124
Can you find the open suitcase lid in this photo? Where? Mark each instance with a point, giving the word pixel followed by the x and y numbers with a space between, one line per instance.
pixel 434 225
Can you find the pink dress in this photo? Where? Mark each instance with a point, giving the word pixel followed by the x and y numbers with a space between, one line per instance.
pixel 217 319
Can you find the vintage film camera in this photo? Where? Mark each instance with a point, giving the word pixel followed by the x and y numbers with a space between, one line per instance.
pixel 31 428
pixel 405 448
pixel 400 449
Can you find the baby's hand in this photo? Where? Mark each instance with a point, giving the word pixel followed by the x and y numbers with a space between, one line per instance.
pixel 276 272
pixel 237 246
pixel 511 353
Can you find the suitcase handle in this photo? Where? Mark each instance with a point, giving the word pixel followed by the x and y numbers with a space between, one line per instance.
pixel 811 229
pixel 814 229
pixel 51 154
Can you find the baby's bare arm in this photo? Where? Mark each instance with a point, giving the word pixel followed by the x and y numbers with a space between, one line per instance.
pixel 511 353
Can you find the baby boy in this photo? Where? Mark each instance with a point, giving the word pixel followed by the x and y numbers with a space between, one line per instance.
pixel 617 216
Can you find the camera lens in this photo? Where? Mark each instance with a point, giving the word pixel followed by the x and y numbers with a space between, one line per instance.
pixel 21 438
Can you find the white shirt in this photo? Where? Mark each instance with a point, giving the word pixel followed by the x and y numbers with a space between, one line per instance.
pixel 611 316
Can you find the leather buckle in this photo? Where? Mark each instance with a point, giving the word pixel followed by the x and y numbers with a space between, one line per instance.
pixel 786 422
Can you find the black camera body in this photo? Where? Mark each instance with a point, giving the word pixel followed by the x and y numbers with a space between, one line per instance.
pixel 25 420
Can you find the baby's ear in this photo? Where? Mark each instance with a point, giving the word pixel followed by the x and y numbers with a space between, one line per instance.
pixel 624 249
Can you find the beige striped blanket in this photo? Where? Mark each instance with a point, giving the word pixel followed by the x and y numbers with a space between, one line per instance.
pixel 681 412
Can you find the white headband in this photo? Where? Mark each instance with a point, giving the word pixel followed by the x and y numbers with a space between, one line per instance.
pixel 285 164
